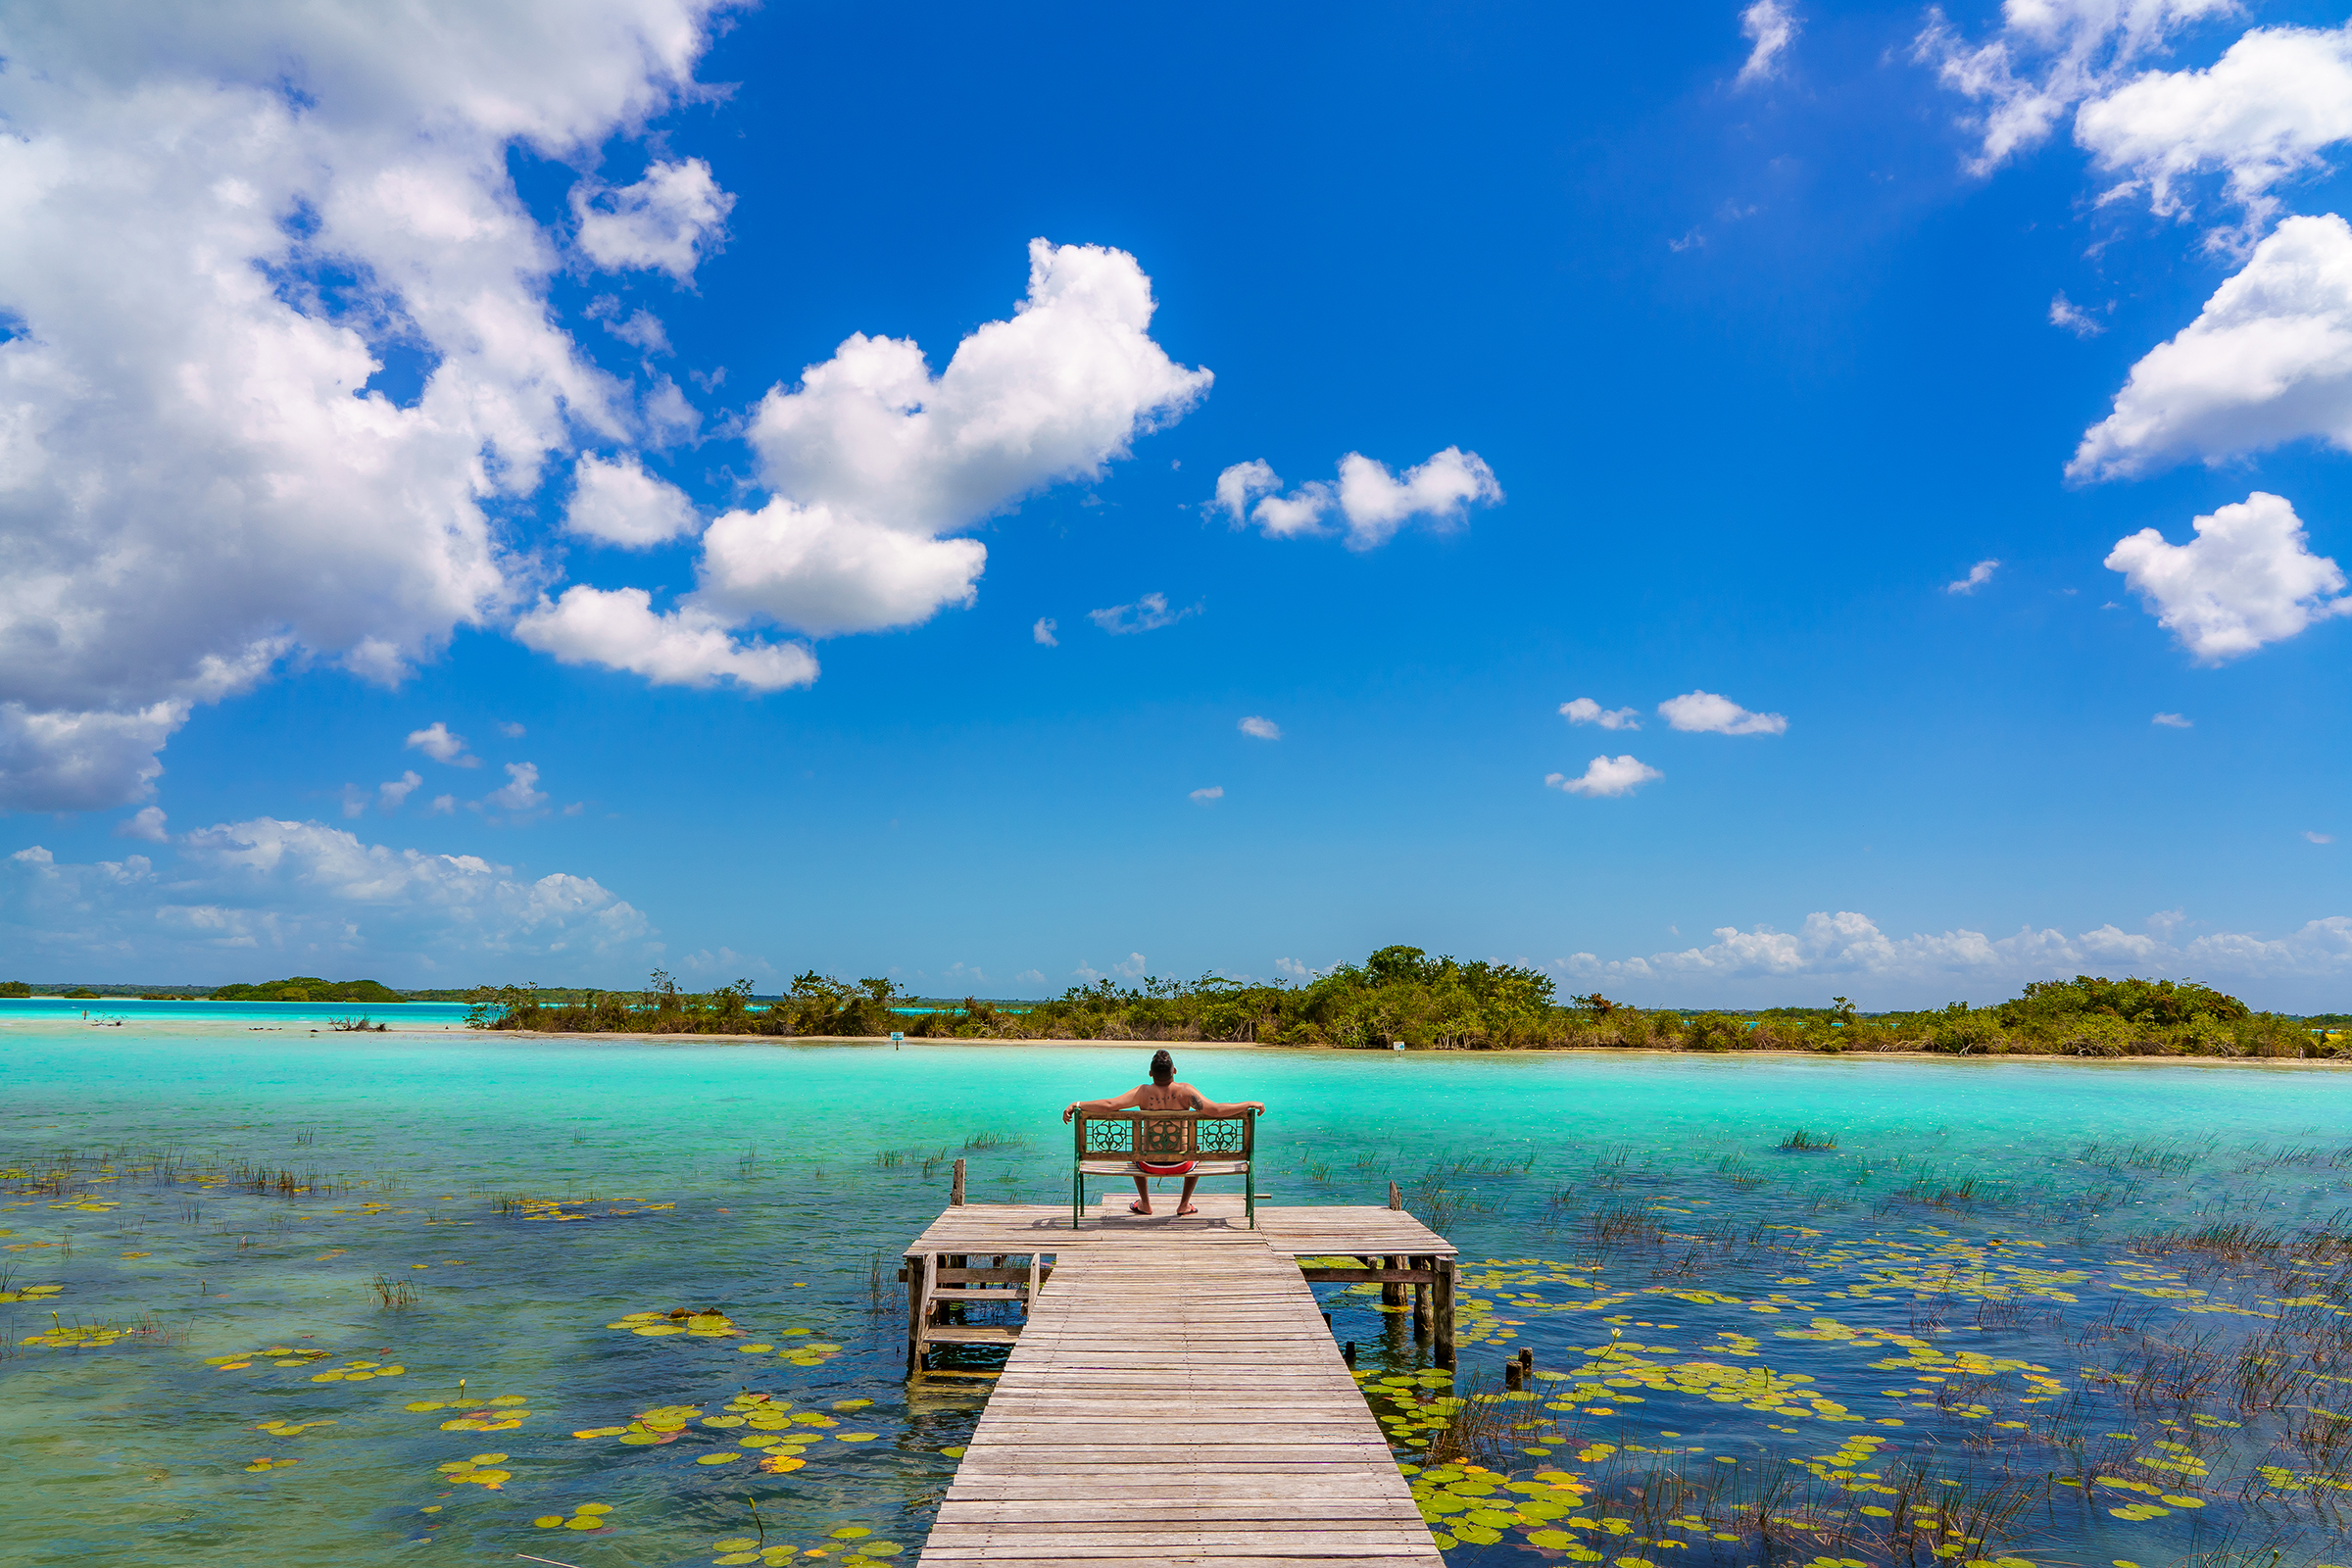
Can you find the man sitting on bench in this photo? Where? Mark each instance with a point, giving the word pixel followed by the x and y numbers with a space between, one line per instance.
pixel 1162 1092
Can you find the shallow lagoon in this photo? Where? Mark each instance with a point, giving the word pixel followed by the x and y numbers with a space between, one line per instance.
pixel 1915 1323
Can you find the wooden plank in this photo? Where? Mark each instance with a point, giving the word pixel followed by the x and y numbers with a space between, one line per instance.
pixel 1362 1231
pixel 1176 1397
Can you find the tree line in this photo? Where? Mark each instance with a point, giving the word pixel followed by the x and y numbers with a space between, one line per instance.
pixel 1402 996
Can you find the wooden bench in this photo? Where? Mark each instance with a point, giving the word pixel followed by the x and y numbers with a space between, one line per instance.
pixel 1110 1143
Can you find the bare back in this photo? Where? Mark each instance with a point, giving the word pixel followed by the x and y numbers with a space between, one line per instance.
pixel 1168 1097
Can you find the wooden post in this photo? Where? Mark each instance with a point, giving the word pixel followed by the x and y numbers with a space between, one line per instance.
pixel 956 1192
pixel 1421 1316
pixel 1443 1354
pixel 918 1266
pixel 1391 1293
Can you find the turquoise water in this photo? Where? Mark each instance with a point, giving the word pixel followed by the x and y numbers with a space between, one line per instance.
pixel 1769 1308
pixel 133 1013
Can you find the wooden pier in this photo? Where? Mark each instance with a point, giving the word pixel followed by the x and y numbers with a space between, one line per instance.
pixel 1173 1394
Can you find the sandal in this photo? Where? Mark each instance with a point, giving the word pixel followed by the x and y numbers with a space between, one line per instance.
pixel 1137 1209
pixel 1189 1208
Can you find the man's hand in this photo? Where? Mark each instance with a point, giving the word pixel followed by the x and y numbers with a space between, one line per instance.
pixel 1071 1110
pixel 1256 1106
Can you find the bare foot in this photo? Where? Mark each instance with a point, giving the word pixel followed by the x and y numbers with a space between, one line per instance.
pixel 1138 1208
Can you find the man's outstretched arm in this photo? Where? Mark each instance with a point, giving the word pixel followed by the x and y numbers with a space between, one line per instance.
pixel 1095 1107
pixel 1210 1108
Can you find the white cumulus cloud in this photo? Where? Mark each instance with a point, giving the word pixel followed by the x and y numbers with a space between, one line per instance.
pixel 1705 714
pixel 520 792
pixel 273 894
pixel 1847 951
pixel 617 502
pixel 1042 633
pixel 145 823
pixel 79 762
pixel 826 572
pixel 2047 57
pixel 1370 501
pixel 1243 483
pixel 1770 27
pixel 1584 711
pixel 2247 578
pixel 1605 776
pixel 871 459
pixel 1264 730
pixel 2267 361
pixel 2173 721
pixel 223 222
pixel 1055 393
pixel 1130 967
pixel 2260 116
pixel 666 222
pixel 436 742
pixel 1977 576
pixel 1215 792
pixel 689 646
pixel 393 793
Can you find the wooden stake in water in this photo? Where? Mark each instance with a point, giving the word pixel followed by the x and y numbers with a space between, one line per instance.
pixel 956 1191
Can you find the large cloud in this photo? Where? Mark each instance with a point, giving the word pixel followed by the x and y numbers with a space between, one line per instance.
pixel 2267 361
pixel 871 459
pixel 222 224
pixel 303 898
pixel 2248 577
pixel 2047 57
pixel 619 628
pixel 2260 116
pixel 1847 952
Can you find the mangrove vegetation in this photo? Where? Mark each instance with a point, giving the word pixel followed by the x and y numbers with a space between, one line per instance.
pixel 1400 997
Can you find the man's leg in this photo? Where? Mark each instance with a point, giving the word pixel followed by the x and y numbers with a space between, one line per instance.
pixel 1142 1191
pixel 1183 1204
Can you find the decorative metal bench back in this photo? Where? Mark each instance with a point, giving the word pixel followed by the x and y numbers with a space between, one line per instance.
pixel 1165 1137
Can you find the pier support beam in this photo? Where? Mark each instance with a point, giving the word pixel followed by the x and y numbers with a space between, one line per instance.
pixel 1421 1308
pixel 918 1266
pixel 1443 1354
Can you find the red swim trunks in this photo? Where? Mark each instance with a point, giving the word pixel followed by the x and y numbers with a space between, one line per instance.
pixel 1183 1168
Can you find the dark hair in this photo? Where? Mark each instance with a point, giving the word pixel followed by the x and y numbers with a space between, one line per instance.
pixel 1164 1067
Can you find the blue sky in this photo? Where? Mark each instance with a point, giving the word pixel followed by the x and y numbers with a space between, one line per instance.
pixel 361 372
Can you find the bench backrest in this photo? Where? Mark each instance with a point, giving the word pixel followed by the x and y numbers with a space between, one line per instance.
pixel 1166 1136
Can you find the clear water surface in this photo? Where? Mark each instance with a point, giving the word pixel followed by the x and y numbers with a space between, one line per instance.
pixel 254 1275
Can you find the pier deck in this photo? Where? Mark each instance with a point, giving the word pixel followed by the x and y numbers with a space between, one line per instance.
pixel 1174 1394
